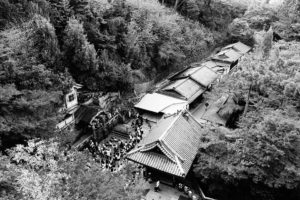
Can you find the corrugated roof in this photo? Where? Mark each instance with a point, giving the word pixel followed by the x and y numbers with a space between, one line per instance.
pixel 177 137
pixel 158 102
pixel 228 55
pixel 187 88
pixel 238 47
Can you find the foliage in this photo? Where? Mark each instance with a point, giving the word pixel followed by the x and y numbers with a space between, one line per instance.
pixel 80 54
pixel 41 170
pixel 240 30
pixel 267 43
pixel 59 15
pixel 31 81
pixel 265 151
pixel 283 18
pixel 18 11
pixel 215 14
pixel 163 38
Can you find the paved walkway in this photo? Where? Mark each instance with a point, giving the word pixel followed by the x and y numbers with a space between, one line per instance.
pixel 203 114
pixel 166 193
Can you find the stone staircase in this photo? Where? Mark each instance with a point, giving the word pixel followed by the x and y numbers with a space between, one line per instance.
pixel 121 131
pixel 120 135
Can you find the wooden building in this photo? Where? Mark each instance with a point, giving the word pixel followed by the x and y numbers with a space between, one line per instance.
pixel 190 83
pixel 230 54
pixel 153 106
pixel 69 107
pixel 170 148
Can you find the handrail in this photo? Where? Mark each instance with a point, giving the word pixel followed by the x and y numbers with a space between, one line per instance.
pixel 203 195
pixel 200 191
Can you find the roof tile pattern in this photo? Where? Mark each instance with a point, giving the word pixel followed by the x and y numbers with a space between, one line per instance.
pixel 177 137
pixel 202 75
pixel 156 161
pixel 185 87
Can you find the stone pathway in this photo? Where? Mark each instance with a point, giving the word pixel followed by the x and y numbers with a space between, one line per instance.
pixel 166 193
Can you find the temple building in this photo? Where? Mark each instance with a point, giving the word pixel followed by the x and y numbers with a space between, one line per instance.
pixel 169 149
pixel 230 54
pixel 190 83
pixel 69 107
pixel 153 106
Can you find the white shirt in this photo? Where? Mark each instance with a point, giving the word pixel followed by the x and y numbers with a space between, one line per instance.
pixel 157 184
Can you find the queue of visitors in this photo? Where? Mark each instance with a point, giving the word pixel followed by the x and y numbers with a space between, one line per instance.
pixel 111 152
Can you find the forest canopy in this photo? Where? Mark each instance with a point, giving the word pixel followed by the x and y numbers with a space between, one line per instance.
pixel 110 46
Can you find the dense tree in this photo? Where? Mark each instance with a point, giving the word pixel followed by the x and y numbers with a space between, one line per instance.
pixel 41 170
pixel 265 151
pixel 81 56
pixel 59 15
pixel 240 30
pixel 43 42
pixel 81 8
pixel 31 83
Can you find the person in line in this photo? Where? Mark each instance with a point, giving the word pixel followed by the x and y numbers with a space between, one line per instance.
pixel 156 188
pixel 186 189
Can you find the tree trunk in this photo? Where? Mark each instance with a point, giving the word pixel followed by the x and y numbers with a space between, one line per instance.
pixel 176 4
pixel 247 102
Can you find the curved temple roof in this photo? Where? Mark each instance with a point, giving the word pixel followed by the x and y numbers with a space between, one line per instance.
pixel 177 138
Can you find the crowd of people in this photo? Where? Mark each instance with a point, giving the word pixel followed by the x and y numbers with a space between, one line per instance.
pixel 187 191
pixel 110 152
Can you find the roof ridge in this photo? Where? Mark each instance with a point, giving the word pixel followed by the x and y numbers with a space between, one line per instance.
pixel 134 150
pixel 183 80
pixel 184 101
pixel 200 67
pixel 160 146
pixel 194 119
pixel 179 166
pixel 148 147
pixel 166 131
pixel 172 150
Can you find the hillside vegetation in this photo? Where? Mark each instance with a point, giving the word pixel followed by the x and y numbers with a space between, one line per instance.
pixel 260 158
pixel 110 45
pixel 104 45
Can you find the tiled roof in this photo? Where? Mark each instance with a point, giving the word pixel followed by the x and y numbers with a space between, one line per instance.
pixel 156 161
pixel 158 102
pixel 202 75
pixel 187 88
pixel 177 138
pixel 228 55
pixel 217 67
pixel 211 64
pixel 238 47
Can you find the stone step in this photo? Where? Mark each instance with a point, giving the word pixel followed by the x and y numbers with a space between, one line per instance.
pixel 120 135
